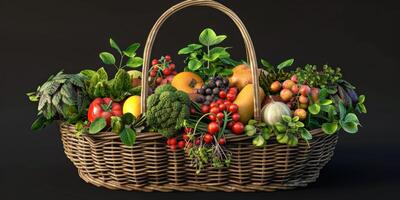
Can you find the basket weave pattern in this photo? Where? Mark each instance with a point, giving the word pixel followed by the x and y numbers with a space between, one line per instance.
pixel 150 166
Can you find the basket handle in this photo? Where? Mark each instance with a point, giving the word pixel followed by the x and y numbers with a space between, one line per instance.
pixel 250 52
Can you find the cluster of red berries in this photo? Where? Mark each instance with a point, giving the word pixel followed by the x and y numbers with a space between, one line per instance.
pixel 162 70
pixel 221 106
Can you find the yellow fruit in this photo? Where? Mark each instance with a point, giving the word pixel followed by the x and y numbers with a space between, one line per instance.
pixel 132 105
pixel 301 113
pixel 286 95
pixel 241 76
pixel 245 102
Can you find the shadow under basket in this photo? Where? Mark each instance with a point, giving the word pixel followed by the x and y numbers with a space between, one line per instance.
pixel 150 165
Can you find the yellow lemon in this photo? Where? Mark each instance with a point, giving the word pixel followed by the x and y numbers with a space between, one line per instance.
pixel 132 105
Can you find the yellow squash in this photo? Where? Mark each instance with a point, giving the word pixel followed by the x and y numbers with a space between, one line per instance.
pixel 245 102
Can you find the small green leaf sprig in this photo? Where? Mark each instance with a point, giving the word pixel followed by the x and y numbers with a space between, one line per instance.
pixel 207 59
pixel 130 52
pixel 287 132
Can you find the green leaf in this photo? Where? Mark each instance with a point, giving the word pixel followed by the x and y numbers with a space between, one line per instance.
pixel 305 134
pixel 296 118
pixel 286 118
pixel 266 64
pixel 266 133
pixel 131 50
pixel 361 99
pixel 194 64
pixel 280 127
pixel 88 73
pixel 293 141
pixel 107 58
pixel 350 127
pixel 219 39
pixel 103 76
pixel 299 124
pixel 325 102
pixel 330 128
pixel 207 37
pixel 97 125
pixel 116 124
pixel 259 141
pixel 314 109
pixel 128 118
pixel 323 93
pixel 342 110
pixel 114 45
pixel 252 122
pixel 128 136
pixel 282 138
pixel 286 63
pixel 134 62
pixel 351 117
pixel 250 130
pixel 362 108
pixel 226 72
pixel 190 49
pixel 39 123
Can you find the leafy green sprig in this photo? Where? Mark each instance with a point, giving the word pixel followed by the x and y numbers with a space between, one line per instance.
pixel 206 59
pixel 130 52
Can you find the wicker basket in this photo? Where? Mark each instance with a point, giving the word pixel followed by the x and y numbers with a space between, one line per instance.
pixel 150 166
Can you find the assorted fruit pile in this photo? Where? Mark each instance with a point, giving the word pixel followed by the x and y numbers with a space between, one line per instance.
pixel 197 109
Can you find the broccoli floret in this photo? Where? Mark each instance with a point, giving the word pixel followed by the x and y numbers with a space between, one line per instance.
pixel 167 109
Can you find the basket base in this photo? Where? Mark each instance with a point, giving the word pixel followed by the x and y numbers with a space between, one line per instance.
pixel 188 187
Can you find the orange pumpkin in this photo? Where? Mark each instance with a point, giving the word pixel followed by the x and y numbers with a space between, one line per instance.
pixel 187 82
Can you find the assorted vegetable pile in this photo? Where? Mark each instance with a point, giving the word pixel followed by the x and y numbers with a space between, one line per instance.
pixel 198 108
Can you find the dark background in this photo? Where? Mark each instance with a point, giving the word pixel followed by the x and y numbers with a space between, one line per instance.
pixel 39 38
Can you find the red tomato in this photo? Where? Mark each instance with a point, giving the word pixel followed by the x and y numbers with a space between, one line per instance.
pixel 173 147
pixel 212 117
pixel 167 58
pixel 222 107
pixel 222 94
pixel 213 127
pixel 181 144
pixel 220 116
pixel 214 110
pixel 159 80
pixel 230 97
pixel 154 62
pixel 153 73
pixel 104 108
pixel 172 141
pixel 213 104
pixel 208 138
pixel 230 124
pixel 219 101
pixel 205 109
pixel 197 141
pixel 233 90
pixel 185 137
pixel 237 128
pixel 235 117
pixel 188 130
pixel 221 141
pixel 172 66
pixel 166 71
pixel 192 111
pixel 233 108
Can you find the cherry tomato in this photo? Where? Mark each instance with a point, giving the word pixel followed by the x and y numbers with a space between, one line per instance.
pixel 172 141
pixel 192 111
pixel 230 124
pixel 213 104
pixel 167 71
pixel 230 97
pixel 237 128
pixel 221 141
pixel 155 68
pixel 167 58
pixel 153 73
pixel 213 127
pixel 169 142
pixel 219 101
pixel 172 66
pixel 212 117
pixel 220 116
pixel 185 137
pixel 233 90
pixel 227 103
pixel 173 147
pixel 159 80
pixel 181 144
pixel 222 94
pixel 189 145
pixel 214 110
pixel 174 72
pixel 154 62
pixel 235 117
pixel 222 107
pixel 208 138
pixel 233 108
pixel 205 109
pixel 188 130
pixel 197 141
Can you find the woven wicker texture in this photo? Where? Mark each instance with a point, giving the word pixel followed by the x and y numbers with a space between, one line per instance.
pixel 150 165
